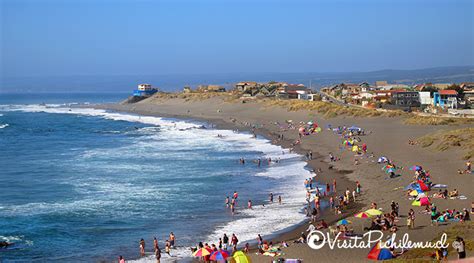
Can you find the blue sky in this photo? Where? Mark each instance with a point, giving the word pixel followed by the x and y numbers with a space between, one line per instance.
pixel 85 37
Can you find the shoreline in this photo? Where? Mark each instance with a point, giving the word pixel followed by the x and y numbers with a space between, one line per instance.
pixel 293 232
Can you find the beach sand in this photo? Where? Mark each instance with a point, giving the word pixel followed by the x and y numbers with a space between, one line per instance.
pixel 387 137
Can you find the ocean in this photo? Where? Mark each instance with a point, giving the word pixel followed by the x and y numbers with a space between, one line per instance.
pixel 82 184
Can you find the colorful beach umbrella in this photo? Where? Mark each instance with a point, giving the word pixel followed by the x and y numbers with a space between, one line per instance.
pixel 240 257
pixel 219 255
pixel 423 186
pixel 202 252
pixel 374 212
pixel 416 168
pixel 362 215
pixel 343 222
pixel 414 193
pixel 379 253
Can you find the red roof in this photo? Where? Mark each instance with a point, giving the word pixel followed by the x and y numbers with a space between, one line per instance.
pixel 448 92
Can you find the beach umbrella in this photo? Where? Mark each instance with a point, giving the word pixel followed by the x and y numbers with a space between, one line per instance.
pixel 318 129
pixel 202 252
pixel 374 212
pixel 424 201
pixel 219 255
pixel 379 253
pixel 355 148
pixel 416 168
pixel 362 215
pixel 343 222
pixel 416 203
pixel 414 193
pixel 240 257
pixel 423 186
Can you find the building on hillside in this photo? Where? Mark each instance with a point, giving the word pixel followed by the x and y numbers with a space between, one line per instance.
pixel 291 91
pixel 246 86
pixel 425 98
pixel 447 99
pixel 187 89
pixel 381 83
pixel 210 88
pixel 310 97
pixel 144 90
pixel 406 99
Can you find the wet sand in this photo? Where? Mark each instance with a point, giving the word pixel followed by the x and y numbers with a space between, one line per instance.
pixel 387 137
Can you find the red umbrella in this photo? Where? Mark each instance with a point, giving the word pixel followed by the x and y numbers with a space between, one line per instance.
pixel 202 252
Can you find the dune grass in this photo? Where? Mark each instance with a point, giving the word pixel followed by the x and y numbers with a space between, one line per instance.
pixel 429 120
pixel 192 96
pixel 444 140
pixel 464 230
pixel 329 110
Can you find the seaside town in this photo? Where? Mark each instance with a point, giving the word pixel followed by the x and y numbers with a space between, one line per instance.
pixel 434 98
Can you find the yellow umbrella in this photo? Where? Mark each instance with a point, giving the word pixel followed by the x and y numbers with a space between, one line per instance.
pixel 414 193
pixel 374 212
pixel 362 215
pixel 240 257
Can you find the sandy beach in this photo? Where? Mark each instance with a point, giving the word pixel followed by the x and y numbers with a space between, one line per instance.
pixel 385 136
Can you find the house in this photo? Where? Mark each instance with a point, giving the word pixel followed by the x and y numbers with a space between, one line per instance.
pixel 425 98
pixel 446 99
pixel 406 99
pixel 144 90
pixel 187 89
pixel 210 88
pixel 291 91
pixel 310 97
pixel 246 86
pixel 381 83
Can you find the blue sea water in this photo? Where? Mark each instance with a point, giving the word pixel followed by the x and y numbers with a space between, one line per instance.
pixel 80 184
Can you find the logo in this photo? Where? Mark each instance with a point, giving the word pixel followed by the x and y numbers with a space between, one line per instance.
pixel 317 240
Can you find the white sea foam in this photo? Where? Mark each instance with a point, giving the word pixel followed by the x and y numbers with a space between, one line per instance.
pixel 2 126
pixel 262 220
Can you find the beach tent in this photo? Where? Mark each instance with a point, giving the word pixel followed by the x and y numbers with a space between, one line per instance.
pixel 374 212
pixel 240 257
pixel 379 253
pixel 421 201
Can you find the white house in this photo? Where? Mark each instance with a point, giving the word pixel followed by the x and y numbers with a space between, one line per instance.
pixel 425 98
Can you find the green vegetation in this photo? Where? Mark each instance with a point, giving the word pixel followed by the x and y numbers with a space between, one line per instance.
pixel 329 110
pixel 464 230
pixel 430 120
pixel 444 140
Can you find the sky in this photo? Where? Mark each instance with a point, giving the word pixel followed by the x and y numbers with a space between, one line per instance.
pixel 120 37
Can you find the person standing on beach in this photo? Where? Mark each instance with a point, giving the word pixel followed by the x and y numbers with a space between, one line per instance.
pixel 227 202
pixel 234 242
pixel 172 239
pixel 225 241
pixel 158 255
pixel 155 244
pixel 411 219
pixel 279 199
pixel 271 197
pixel 328 189
pixel 121 259
pixel 142 247
pixel 168 248
pixel 236 195
pixel 460 247
pixel 259 241
pixel 334 186
pixel 249 204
